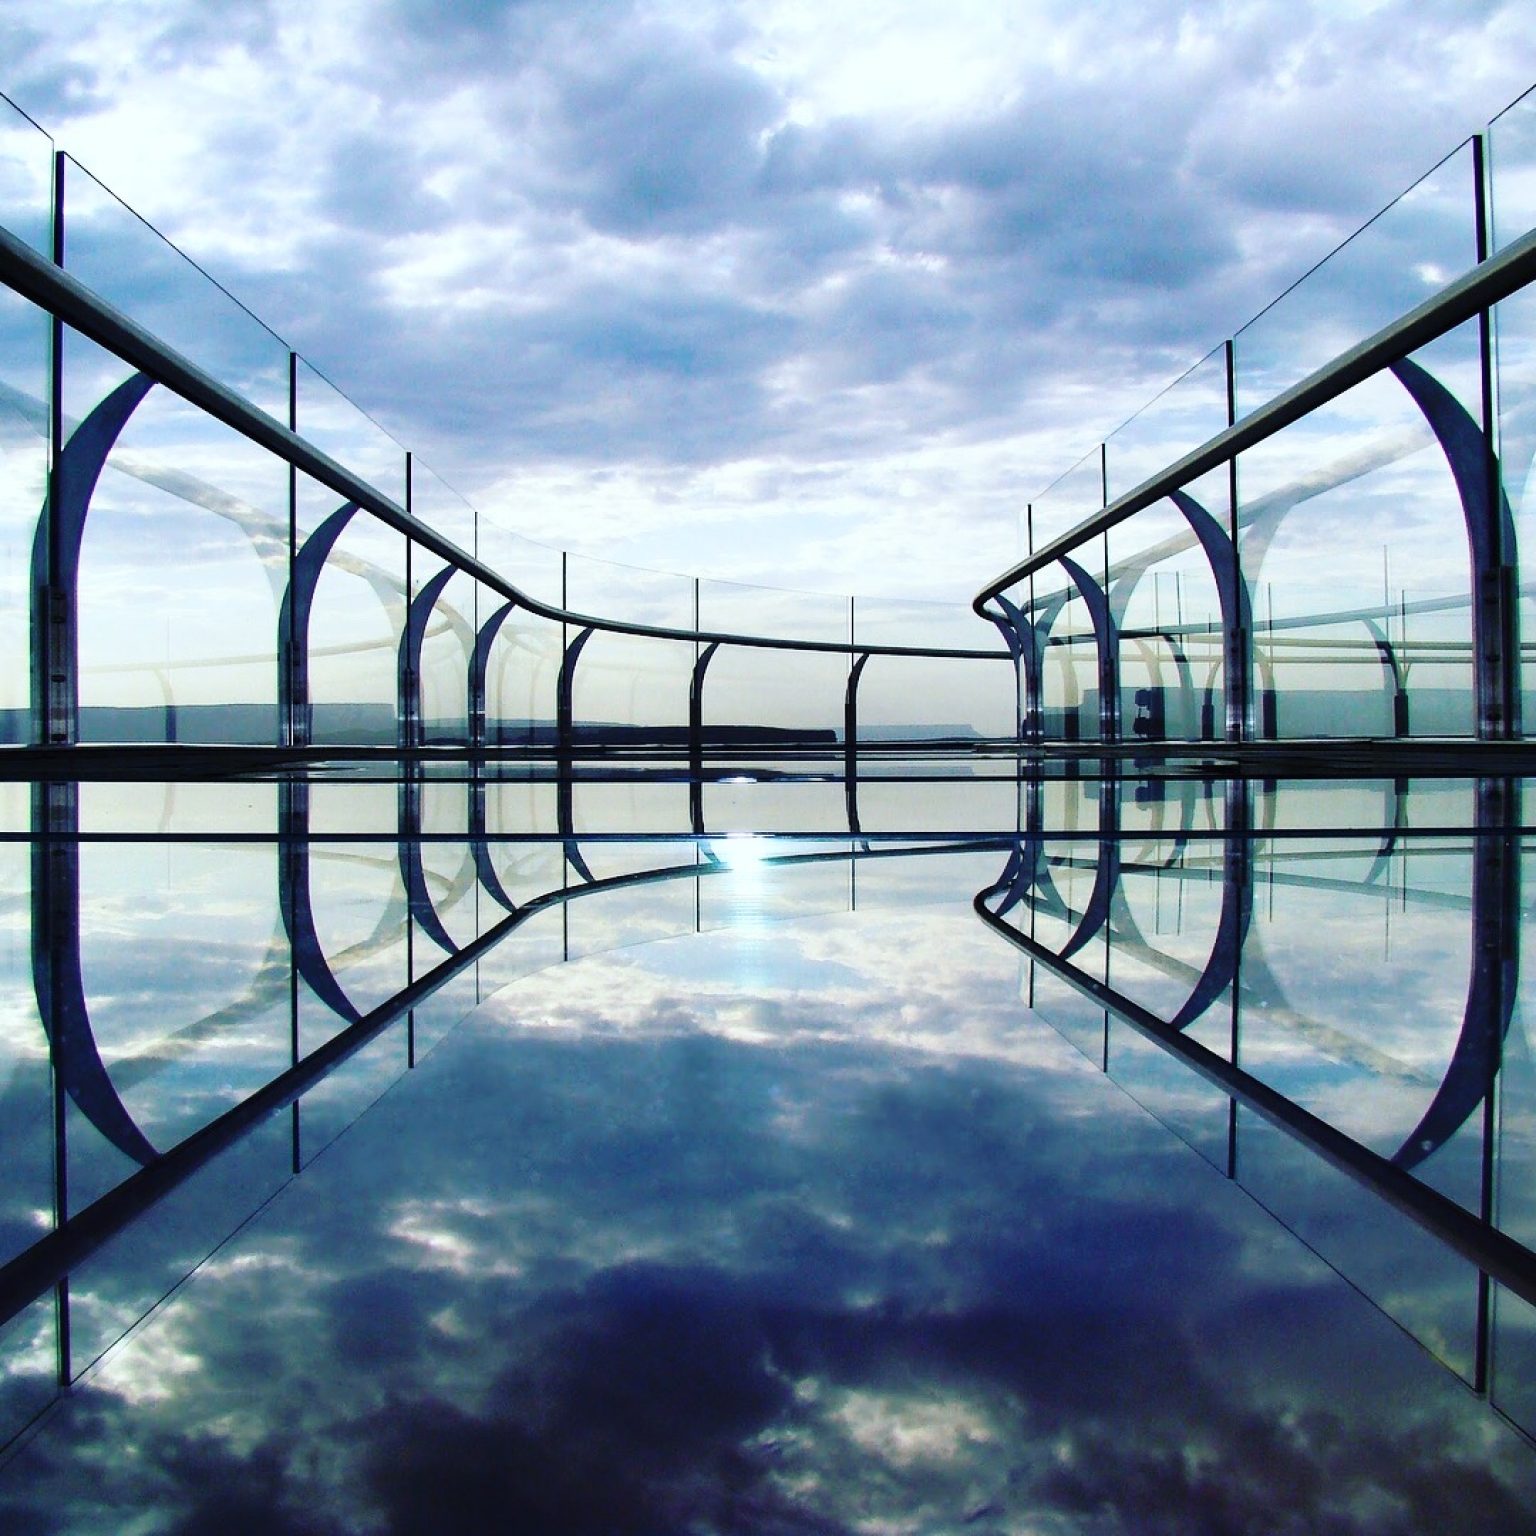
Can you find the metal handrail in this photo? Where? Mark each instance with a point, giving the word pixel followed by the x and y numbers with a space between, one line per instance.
pixel 36 278
pixel 1469 295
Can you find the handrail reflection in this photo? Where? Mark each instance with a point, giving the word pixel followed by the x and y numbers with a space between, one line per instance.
pixel 1236 967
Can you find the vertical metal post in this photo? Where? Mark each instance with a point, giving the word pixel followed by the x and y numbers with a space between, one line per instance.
pixel 408 676
pixel 1495 595
pixel 292 709
pixel 1109 677
pixel 1032 713
pixel 55 636
pixel 1237 647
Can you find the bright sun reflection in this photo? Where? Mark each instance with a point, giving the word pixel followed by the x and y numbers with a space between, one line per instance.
pixel 741 850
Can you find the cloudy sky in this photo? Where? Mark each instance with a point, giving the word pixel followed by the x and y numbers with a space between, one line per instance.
pixel 780 291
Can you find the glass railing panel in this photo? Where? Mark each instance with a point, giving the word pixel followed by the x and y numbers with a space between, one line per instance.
pixel 536 944
pixel 632 690
pixel 336 1101
pixel 26 1089
pixel 631 594
pixel 522 679
pixel 1070 683
pixel 1512 171
pixel 332 423
pixel 26 197
pixel 882 880
pixel 26 178
pixel 29 1352
pixel 182 649
pixel 1339 1015
pixel 1421 241
pixel 1374 640
pixel 1069 500
pixel 1195 1111
pixel 354 636
pixel 735 608
pixel 1166 604
pixel 917 698
pixel 183 995
pixel 889 805
pixel 759 697
pixel 1166 920
pixel 358 904
pixel 360 595
pixel 746 799
pixel 1416 1280
pixel 934 626
pixel 1187 413
pixel 447 648
pixel 432 1021
pixel 536 570
pixel 121 1283
pixel 453 621
pixel 1078 1019
pixel 1512 203
pixel 127 262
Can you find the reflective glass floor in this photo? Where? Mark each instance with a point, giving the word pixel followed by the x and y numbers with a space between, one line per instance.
pixel 960 1148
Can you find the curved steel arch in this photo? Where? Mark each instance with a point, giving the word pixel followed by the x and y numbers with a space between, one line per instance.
pixel 408 706
pixel 56 543
pixel 1492 544
pixel 479 663
pixel 1106 645
pixel 294 707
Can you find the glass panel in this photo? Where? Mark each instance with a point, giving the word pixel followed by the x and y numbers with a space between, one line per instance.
pixel 1374 640
pixel 1512 171
pixel 26 197
pixel 533 569
pixel 1512 202
pixel 630 689
pixel 1416 245
pixel 1071 657
pixel 183 649
pixel 1167 609
pixel 110 249
pixel 1192 410
pixel 914 697
pixel 756 697
pixel 453 620
pixel 359 600
pixel 734 608
pixel 629 593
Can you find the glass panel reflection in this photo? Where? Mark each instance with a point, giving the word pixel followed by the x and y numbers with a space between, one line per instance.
pixel 410 1036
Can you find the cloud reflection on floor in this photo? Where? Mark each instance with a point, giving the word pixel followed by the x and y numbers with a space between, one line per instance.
pixel 860 1247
